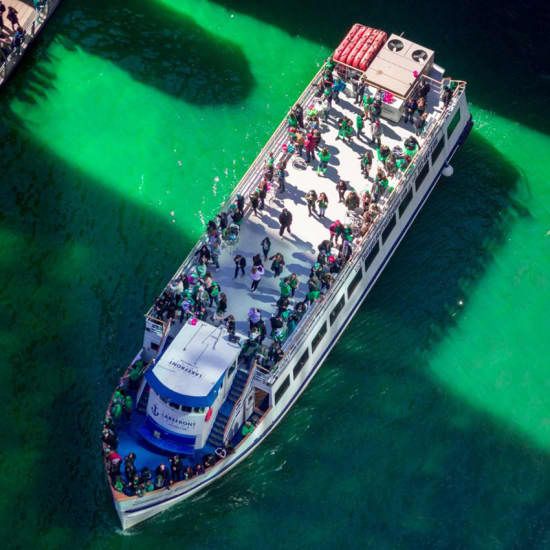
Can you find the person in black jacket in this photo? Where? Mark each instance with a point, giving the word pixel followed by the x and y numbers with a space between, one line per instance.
pixel 285 219
pixel 240 263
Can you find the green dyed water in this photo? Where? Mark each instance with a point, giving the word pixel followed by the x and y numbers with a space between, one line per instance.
pixel 428 426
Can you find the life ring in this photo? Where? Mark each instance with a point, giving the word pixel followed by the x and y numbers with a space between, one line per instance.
pixel 220 452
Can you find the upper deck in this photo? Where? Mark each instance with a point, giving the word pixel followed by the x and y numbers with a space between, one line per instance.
pixel 300 249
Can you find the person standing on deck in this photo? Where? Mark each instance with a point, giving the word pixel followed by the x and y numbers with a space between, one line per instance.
pixel 376 132
pixel 285 219
pixel 280 173
pixel 254 202
pixel 309 146
pixel 262 193
pixel 256 274
pixel 322 201
pixel 12 18
pixel 240 263
pixel 299 114
pixel 266 245
pixel 324 157
pixel 420 124
pixel 360 123
pixel 293 282
pixel 311 199
pixel 278 263
pixel 341 187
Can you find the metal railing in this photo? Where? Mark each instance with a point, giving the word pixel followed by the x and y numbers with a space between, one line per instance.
pixel 239 401
pixel 32 26
pixel 252 176
pixel 250 180
pixel 314 312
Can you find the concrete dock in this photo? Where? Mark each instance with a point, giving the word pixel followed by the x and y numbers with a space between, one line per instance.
pixel 31 21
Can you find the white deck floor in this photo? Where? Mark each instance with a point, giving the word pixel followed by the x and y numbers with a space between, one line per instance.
pixel 300 249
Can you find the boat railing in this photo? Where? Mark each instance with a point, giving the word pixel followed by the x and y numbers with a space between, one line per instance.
pixel 314 312
pixel 239 401
pixel 251 177
pixel 31 27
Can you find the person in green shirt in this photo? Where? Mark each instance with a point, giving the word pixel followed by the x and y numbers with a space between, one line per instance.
pixel 119 484
pixel 324 157
pixel 293 282
pixel 285 289
pixel 128 404
pixel 247 428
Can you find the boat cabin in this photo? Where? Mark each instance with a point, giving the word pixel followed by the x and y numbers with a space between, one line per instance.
pixel 391 65
pixel 187 387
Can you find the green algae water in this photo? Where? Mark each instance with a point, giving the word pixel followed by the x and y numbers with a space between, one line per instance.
pixel 429 424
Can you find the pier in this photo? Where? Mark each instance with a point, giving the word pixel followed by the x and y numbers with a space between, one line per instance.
pixel 32 17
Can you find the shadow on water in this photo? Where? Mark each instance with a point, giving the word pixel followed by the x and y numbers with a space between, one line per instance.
pixel 75 284
pixel 154 44
pixel 402 462
pixel 376 443
pixel 510 74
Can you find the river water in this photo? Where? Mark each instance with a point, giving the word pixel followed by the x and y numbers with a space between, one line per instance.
pixel 429 424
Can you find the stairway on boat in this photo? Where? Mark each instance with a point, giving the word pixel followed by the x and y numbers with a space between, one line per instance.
pixel 216 435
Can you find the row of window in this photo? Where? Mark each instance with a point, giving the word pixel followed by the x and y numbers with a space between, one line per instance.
pixel 368 260
pixel 183 408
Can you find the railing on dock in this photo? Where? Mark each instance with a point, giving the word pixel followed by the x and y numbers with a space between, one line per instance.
pixel 31 27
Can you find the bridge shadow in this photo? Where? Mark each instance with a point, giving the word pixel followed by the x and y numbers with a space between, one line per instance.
pixel 514 56
pixel 75 285
pixel 153 43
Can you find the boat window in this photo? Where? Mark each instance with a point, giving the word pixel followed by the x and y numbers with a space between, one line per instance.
pixel 355 281
pixel 388 229
pixel 300 364
pixel 231 370
pixel 318 337
pixel 453 124
pixel 421 176
pixel 337 309
pixel 372 254
pixel 154 347
pixel 405 202
pixel 174 405
pixel 186 409
pixel 198 410
pixel 437 150
pixel 282 388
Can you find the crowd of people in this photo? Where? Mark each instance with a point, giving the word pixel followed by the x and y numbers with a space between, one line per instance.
pixel 126 478
pixel 197 293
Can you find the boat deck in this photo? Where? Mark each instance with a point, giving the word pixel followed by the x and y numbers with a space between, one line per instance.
pixel 300 249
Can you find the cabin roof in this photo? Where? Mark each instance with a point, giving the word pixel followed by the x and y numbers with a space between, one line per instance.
pixel 191 370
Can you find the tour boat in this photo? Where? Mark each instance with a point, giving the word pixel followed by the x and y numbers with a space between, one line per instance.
pixel 207 392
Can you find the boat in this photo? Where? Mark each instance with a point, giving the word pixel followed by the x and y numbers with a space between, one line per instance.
pixel 209 385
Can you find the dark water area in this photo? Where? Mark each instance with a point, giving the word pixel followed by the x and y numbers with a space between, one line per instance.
pixel 426 427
